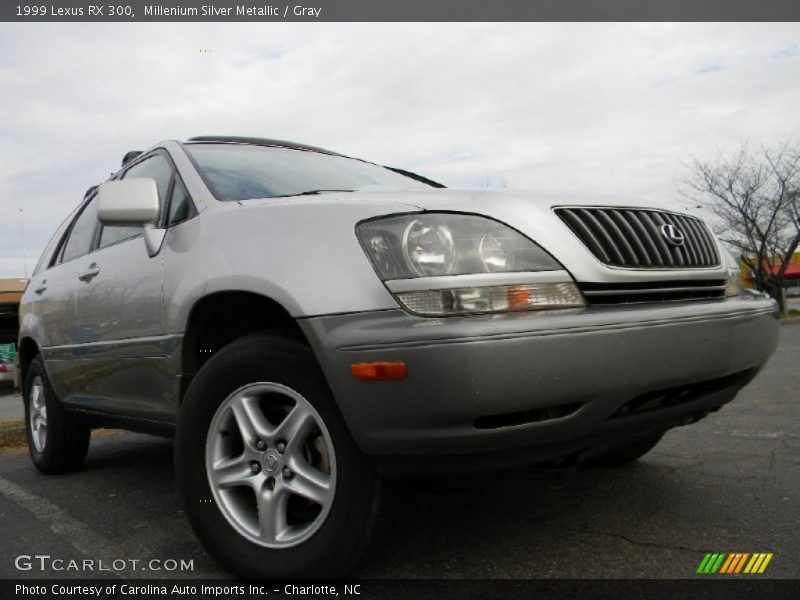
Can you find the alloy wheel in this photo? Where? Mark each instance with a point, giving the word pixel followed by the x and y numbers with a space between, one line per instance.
pixel 271 465
pixel 38 414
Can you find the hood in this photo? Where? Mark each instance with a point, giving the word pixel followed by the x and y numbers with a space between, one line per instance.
pixel 494 199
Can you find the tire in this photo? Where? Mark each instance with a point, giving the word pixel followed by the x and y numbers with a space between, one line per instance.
pixel 624 455
pixel 250 387
pixel 57 441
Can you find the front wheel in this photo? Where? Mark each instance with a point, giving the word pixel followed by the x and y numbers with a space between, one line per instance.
pixel 272 482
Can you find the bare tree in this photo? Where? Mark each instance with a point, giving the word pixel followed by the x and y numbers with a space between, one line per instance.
pixel 756 196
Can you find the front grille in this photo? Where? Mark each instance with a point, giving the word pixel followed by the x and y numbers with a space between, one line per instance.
pixel 633 238
pixel 652 291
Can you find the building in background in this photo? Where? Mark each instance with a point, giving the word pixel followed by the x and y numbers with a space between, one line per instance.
pixel 11 290
pixel 792 276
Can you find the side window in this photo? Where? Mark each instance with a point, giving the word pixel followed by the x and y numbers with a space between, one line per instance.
pixel 49 256
pixel 181 206
pixel 112 234
pixel 82 234
pixel 156 167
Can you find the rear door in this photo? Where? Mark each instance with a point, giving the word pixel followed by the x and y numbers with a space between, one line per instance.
pixel 51 297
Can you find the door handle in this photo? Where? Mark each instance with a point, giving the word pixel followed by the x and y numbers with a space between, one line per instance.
pixel 40 290
pixel 89 273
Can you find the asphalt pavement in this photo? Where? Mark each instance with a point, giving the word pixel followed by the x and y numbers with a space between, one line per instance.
pixel 726 484
pixel 11 407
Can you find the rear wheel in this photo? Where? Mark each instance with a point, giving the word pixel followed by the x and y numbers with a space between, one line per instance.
pixel 624 455
pixel 272 482
pixel 57 441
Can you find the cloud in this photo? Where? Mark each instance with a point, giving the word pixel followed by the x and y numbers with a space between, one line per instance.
pixel 595 107
pixel 713 67
pixel 788 52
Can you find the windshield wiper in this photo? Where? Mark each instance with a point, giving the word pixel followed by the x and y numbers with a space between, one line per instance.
pixel 311 193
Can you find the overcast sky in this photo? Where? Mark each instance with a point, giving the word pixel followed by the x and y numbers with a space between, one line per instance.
pixel 593 107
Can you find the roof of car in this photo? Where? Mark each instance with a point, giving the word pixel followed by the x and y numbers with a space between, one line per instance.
pixel 228 139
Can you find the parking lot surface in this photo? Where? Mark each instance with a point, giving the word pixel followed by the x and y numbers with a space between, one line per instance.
pixel 10 404
pixel 726 484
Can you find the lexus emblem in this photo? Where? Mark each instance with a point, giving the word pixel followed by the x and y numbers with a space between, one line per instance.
pixel 271 462
pixel 672 234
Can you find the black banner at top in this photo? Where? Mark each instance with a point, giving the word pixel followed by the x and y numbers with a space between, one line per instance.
pixel 397 10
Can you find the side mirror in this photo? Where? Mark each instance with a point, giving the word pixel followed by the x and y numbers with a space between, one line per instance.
pixel 128 202
pixel 132 202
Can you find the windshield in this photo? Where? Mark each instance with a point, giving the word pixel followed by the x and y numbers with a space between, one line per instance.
pixel 244 172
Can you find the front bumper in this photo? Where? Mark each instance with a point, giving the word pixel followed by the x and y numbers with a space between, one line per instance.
pixel 539 386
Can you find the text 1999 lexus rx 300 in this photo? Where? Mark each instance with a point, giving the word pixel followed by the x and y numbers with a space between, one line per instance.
pixel 305 323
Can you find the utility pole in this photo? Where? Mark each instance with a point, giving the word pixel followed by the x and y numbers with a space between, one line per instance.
pixel 22 239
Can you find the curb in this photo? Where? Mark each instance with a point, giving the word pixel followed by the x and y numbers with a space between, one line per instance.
pixel 790 321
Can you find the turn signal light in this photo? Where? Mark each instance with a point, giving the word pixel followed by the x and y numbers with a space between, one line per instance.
pixel 519 296
pixel 378 371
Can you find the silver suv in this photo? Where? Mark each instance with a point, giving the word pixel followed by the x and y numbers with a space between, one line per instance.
pixel 305 324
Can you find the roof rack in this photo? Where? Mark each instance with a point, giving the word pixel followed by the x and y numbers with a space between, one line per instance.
pixel 129 156
pixel 228 139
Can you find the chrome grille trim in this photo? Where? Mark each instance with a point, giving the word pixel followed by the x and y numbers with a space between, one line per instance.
pixel 632 238
pixel 653 291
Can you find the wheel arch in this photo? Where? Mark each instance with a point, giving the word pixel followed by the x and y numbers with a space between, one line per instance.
pixel 28 350
pixel 221 317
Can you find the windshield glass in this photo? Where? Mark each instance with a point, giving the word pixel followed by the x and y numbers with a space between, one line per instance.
pixel 243 172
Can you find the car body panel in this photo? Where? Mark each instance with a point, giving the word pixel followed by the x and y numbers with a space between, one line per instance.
pixel 47 311
pixel 282 252
pixel 135 378
pixel 119 359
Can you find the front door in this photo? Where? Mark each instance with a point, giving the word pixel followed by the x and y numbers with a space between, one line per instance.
pixel 119 304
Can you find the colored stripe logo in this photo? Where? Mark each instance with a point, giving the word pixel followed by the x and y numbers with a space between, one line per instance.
pixel 734 563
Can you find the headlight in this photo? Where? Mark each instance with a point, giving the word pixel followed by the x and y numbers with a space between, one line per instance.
pixel 438 244
pixel 428 248
pixel 448 264
pixel 494 254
